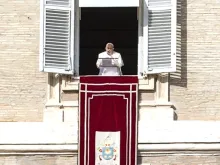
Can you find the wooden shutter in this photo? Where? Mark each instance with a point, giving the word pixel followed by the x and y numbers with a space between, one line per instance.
pixel 57 30
pixel 159 33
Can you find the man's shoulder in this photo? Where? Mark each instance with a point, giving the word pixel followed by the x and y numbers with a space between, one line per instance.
pixel 102 53
pixel 117 54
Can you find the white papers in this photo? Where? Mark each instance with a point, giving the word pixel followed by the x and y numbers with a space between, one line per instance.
pixel 108 62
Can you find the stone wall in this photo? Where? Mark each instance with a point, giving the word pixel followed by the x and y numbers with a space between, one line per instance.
pixel 191 159
pixel 194 89
pixel 147 160
pixel 23 87
pixel 38 160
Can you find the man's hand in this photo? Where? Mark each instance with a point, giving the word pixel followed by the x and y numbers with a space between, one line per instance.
pixel 115 63
pixel 98 64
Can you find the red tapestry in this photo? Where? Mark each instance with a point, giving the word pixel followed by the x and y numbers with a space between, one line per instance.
pixel 108 120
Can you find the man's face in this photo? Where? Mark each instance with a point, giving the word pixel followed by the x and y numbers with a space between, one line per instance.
pixel 109 50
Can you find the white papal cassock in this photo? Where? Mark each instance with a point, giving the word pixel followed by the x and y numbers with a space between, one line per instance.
pixel 116 62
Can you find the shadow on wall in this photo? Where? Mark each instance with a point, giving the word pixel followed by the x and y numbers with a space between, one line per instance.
pixel 179 78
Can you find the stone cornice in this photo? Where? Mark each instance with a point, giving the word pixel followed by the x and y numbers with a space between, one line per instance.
pixel 143 149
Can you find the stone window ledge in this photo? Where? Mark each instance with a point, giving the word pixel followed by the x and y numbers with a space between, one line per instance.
pixel 141 104
pixel 144 84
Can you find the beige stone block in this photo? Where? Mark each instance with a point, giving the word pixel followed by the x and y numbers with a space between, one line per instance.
pixel 71 115
pixel 53 115
pixel 69 96
pixel 146 95
pixel 156 114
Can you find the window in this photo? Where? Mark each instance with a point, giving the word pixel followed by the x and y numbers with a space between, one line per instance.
pixel 60 43
pixel 118 25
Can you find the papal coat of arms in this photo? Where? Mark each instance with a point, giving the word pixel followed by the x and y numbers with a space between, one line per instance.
pixel 107 150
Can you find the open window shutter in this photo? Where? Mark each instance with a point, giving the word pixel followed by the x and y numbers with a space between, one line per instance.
pixel 159 33
pixel 57 30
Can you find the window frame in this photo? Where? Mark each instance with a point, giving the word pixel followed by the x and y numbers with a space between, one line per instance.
pixel 142 54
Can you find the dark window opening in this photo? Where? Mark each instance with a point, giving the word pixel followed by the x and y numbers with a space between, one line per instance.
pixel 99 26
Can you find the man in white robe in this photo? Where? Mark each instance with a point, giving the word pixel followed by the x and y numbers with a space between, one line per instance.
pixel 109 62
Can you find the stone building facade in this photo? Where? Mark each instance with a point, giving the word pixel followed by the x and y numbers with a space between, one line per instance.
pixel 178 112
